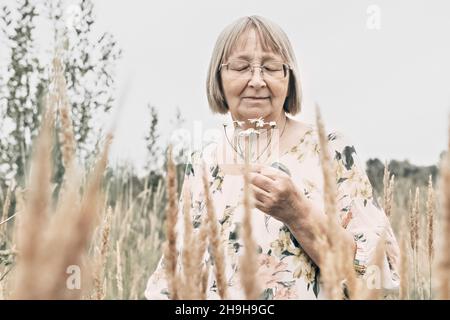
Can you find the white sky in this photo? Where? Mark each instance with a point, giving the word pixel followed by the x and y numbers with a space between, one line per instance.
pixel 387 89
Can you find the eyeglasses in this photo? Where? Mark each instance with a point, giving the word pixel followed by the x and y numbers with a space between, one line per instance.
pixel 242 69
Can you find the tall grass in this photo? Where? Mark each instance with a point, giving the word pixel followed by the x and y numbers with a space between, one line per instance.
pixel 102 234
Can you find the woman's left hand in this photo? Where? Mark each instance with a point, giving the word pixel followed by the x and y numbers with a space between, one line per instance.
pixel 276 194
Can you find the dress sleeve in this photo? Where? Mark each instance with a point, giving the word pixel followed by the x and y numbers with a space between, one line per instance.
pixel 361 214
pixel 157 286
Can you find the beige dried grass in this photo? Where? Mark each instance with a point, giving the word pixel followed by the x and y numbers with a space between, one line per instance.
pixel 170 251
pixel 249 260
pixel 188 291
pixel 101 257
pixel 43 273
pixel 331 260
pixel 202 271
pixel 404 266
pixel 388 193
pixel 430 207
pixel 217 250
pixel 444 261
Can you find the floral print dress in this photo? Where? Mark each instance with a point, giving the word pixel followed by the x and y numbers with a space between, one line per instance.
pixel 285 271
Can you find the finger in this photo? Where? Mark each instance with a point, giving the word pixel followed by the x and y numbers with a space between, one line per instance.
pixel 273 173
pixel 261 181
pixel 260 206
pixel 266 170
pixel 260 194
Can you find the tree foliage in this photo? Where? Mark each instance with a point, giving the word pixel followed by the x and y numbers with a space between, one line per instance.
pixel 89 64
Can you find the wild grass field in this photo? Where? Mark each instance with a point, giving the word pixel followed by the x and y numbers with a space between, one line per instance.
pixel 109 229
pixel 97 231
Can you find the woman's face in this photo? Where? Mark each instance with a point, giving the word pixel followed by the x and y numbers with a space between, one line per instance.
pixel 257 96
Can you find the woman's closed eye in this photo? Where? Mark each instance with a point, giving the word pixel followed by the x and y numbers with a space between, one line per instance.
pixel 273 66
pixel 239 65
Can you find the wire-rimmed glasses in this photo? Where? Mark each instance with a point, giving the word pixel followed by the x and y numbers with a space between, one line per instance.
pixel 242 69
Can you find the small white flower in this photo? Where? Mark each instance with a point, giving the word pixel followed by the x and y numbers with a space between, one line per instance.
pixel 273 124
pixel 254 120
pixel 238 123
pixel 248 132
pixel 259 122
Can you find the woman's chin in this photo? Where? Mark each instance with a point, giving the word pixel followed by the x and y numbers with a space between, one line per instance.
pixel 253 112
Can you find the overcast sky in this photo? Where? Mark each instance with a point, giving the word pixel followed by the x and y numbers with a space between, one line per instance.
pixel 380 70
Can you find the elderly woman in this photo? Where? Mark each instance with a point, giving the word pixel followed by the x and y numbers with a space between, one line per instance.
pixel 253 76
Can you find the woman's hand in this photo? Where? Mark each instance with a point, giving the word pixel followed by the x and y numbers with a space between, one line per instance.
pixel 276 194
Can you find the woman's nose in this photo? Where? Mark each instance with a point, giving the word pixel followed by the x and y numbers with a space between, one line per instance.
pixel 257 80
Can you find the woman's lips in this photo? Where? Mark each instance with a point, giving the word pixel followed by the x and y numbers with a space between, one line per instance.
pixel 255 98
